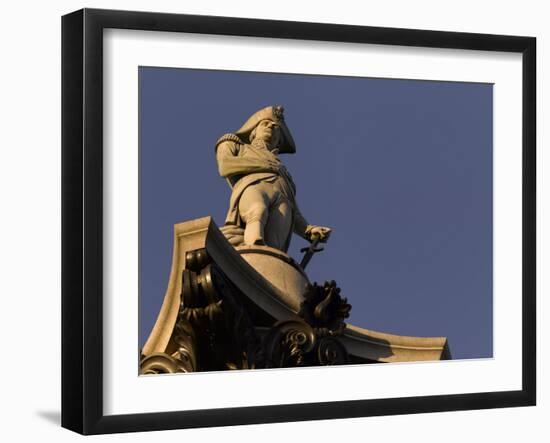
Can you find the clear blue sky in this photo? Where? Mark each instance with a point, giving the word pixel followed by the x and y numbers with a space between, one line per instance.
pixel 400 169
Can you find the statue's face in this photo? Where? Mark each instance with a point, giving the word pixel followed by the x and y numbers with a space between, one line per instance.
pixel 269 132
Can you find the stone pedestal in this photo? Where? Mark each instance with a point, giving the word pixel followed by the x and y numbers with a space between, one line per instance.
pixel 254 307
pixel 280 270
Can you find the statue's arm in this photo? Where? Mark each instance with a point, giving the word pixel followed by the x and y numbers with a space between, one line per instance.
pixel 300 224
pixel 231 161
pixel 305 230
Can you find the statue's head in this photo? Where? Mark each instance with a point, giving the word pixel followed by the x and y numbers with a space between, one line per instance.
pixel 268 131
pixel 268 124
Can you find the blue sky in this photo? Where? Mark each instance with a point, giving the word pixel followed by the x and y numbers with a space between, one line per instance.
pixel 400 169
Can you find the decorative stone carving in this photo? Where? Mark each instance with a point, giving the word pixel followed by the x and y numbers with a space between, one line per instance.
pixel 215 331
pixel 288 344
pixel 324 308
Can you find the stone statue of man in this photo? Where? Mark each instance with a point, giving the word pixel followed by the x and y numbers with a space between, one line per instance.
pixel 263 194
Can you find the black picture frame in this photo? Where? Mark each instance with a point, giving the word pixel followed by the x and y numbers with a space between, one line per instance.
pixel 82 218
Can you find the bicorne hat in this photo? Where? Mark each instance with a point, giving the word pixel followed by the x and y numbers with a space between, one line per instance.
pixel 275 114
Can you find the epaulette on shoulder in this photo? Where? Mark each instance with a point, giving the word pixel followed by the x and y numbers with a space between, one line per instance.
pixel 228 137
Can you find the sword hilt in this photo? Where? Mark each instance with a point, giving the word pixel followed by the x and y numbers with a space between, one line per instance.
pixel 315 239
pixel 310 250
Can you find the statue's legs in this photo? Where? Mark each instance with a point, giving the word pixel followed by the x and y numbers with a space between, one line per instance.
pixel 279 224
pixel 267 215
pixel 254 210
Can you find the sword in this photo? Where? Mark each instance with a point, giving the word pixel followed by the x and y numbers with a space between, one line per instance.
pixel 310 250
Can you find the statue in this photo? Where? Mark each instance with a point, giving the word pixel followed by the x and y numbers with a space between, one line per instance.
pixel 262 208
pixel 234 302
